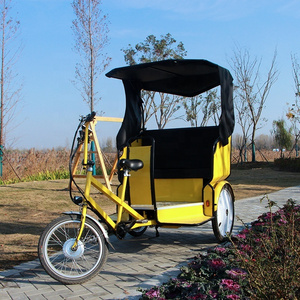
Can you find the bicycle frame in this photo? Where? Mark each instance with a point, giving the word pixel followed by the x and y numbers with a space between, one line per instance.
pixel 123 207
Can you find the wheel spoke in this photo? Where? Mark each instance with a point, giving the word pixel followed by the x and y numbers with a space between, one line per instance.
pixel 76 267
pixel 61 265
pixel 64 263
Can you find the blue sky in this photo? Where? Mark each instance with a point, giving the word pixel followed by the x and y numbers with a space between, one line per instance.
pixel 209 29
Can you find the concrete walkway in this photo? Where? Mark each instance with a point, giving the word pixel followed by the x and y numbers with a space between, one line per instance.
pixel 135 262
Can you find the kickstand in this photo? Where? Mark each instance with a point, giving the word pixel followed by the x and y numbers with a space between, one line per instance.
pixel 157 233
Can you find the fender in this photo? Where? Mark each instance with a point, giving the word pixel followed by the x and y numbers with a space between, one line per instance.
pixel 92 219
pixel 217 188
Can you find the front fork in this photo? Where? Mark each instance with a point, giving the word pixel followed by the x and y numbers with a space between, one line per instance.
pixel 82 223
pixel 84 205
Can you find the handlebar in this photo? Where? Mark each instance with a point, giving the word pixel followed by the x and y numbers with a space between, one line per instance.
pixel 90 117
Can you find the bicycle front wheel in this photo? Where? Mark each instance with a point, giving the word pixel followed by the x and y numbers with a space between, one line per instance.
pixel 67 265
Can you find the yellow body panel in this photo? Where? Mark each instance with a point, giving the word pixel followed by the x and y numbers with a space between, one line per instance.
pixel 178 200
pixel 208 200
pixel 140 181
pixel 221 162
pixel 191 213
pixel 178 190
pixel 221 171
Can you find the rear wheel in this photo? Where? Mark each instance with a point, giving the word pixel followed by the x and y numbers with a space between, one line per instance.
pixel 67 265
pixel 223 220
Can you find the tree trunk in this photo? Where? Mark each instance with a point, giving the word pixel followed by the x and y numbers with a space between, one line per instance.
pixel 2 90
pixel 245 154
pixel 253 152
pixel 253 142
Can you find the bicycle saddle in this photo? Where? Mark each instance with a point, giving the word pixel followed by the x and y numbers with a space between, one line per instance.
pixel 130 164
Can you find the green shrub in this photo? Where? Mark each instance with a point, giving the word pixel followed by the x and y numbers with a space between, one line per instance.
pixel 288 164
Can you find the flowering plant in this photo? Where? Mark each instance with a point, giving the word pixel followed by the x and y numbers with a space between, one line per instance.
pixel 261 262
pixel 269 251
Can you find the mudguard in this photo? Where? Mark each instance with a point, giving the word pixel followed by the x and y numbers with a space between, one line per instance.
pixel 217 188
pixel 92 219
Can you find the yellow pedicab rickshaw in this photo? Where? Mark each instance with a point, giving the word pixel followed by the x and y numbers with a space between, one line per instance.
pixel 168 178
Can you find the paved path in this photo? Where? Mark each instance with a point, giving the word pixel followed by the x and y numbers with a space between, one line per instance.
pixel 135 262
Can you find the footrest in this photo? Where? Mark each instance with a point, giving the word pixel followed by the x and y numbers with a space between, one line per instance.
pixel 142 207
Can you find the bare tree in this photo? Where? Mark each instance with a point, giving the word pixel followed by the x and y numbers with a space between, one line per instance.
pixel 9 87
pixel 238 142
pixel 165 109
pixel 264 141
pixel 208 107
pixel 296 76
pixel 192 106
pixel 243 119
pixel 148 104
pixel 161 105
pixel 294 110
pixel 90 29
pixel 251 89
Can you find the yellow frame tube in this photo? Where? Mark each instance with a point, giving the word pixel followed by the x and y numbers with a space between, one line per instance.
pixel 108 119
pixel 83 218
pixel 92 181
pixel 122 205
pixel 99 151
pixel 86 143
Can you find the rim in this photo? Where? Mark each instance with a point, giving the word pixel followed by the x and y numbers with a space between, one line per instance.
pixel 225 212
pixel 66 262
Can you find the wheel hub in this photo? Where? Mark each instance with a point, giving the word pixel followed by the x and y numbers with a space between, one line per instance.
pixel 69 252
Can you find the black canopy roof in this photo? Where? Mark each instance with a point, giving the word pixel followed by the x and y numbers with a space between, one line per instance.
pixel 188 78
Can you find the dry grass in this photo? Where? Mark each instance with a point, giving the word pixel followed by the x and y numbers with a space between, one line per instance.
pixel 258 179
pixel 20 164
pixel 26 208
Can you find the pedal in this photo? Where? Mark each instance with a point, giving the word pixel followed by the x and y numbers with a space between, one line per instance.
pixel 144 221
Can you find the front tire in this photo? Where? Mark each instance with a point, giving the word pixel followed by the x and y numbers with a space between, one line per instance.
pixel 223 220
pixel 63 263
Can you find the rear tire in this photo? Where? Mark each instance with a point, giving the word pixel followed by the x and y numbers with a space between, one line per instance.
pixel 72 266
pixel 223 220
